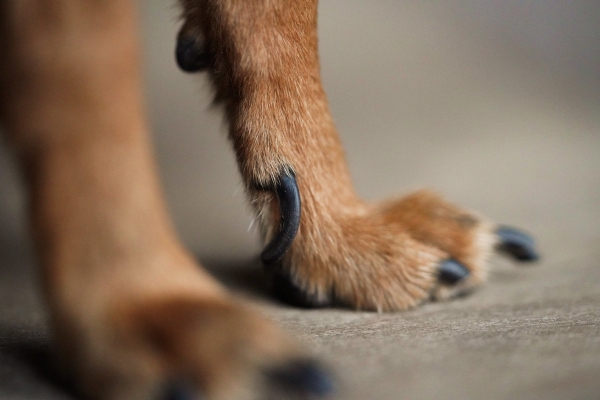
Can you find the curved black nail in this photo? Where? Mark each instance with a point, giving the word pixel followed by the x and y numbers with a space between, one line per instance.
pixel 517 244
pixel 190 55
pixel 177 390
pixel 288 196
pixel 285 290
pixel 303 376
pixel 451 271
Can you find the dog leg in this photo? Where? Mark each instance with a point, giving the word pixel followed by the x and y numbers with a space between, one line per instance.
pixel 326 245
pixel 134 316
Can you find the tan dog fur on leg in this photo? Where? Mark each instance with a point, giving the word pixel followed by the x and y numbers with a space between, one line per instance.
pixel 264 63
pixel 131 311
pixel 130 308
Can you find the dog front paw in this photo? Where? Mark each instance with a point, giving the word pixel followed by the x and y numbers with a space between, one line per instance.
pixel 392 256
pixel 188 347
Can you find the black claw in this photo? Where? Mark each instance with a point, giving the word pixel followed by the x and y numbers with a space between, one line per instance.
pixel 303 376
pixel 190 55
pixel 285 290
pixel 288 196
pixel 517 244
pixel 451 271
pixel 179 391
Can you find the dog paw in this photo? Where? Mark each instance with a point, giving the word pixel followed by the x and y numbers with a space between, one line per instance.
pixel 390 256
pixel 189 347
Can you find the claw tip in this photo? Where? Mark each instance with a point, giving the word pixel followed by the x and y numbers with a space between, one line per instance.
pixel 306 376
pixel 517 244
pixel 451 271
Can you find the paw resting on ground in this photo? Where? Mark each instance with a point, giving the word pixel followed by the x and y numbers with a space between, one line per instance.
pixel 392 256
pixel 189 348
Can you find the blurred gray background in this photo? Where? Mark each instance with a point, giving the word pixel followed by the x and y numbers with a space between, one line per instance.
pixel 493 103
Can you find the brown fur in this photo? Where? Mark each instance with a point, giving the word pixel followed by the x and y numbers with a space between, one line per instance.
pixel 129 307
pixel 266 72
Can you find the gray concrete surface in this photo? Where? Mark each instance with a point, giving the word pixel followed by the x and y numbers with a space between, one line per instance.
pixel 494 104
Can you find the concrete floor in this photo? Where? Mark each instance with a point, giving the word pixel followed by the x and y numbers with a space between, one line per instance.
pixel 424 95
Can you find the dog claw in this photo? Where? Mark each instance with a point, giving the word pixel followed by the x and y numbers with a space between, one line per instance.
pixel 517 244
pixel 288 196
pixel 451 271
pixel 190 55
pixel 304 376
pixel 179 391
